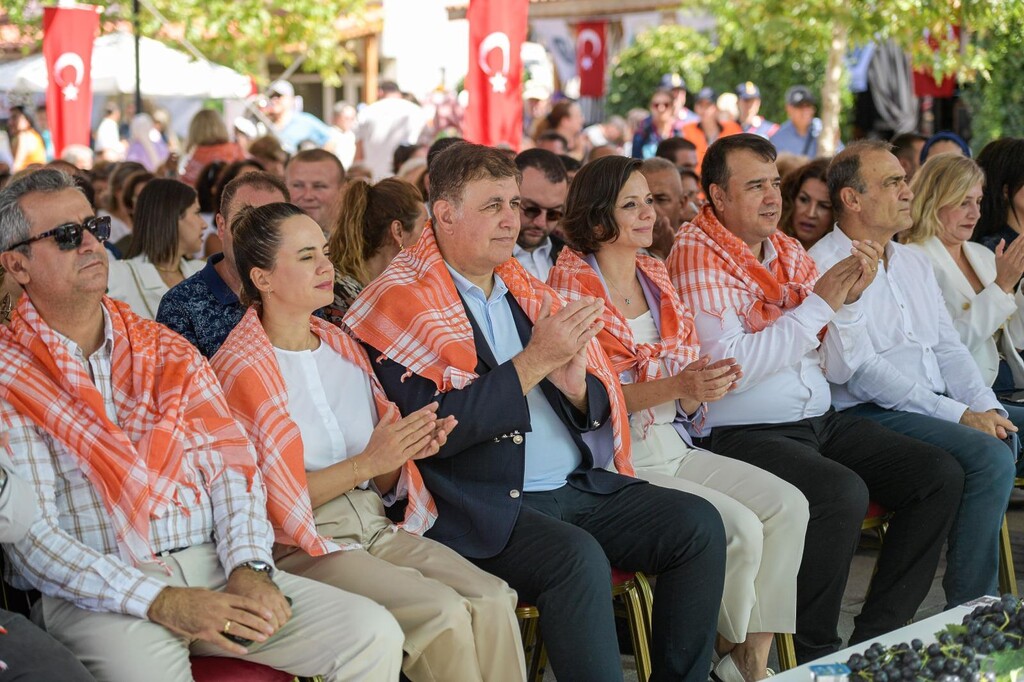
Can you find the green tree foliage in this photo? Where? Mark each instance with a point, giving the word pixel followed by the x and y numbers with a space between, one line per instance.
pixel 995 97
pixel 772 73
pixel 638 69
pixel 829 27
pixel 242 34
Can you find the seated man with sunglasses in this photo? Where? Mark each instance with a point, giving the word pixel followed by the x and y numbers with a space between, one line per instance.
pixel 152 544
pixel 543 191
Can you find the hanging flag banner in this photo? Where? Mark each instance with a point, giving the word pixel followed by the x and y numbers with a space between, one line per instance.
pixel 68 34
pixel 590 57
pixel 497 30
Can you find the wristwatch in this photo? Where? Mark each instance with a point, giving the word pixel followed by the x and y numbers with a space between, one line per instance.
pixel 258 566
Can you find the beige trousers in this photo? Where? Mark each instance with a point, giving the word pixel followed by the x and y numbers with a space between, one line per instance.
pixel 459 621
pixel 765 522
pixel 331 633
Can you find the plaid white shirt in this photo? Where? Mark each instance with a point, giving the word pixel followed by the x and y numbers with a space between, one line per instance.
pixel 71 550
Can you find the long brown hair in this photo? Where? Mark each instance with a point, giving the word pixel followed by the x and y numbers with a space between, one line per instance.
pixel 364 222
pixel 792 182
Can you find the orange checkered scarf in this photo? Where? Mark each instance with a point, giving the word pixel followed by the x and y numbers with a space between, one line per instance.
pixel 713 270
pixel 167 401
pixel 573 278
pixel 412 314
pixel 256 392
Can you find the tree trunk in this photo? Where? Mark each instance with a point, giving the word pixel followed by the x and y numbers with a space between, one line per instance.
pixel 830 90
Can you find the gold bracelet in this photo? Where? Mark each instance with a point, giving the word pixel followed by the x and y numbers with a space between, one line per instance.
pixel 355 470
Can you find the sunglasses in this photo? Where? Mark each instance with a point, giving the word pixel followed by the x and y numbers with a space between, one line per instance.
pixel 552 215
pixel 69 236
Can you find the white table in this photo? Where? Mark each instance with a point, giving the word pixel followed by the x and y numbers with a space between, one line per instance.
pixel 923 630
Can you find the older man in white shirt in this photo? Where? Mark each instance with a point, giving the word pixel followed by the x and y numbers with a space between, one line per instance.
pixel 909 369
pixel 756 297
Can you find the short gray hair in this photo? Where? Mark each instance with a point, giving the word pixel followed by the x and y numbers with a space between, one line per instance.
pixel 844 171
pixel 656 164
pixel 14 226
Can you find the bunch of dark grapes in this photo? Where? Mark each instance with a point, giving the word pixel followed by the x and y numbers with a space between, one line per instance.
pixel 940 661
pixel 955 656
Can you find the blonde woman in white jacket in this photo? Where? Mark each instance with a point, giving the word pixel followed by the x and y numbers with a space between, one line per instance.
pixel 980 287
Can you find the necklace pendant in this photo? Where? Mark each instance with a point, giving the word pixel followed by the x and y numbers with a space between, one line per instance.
pixel 629 301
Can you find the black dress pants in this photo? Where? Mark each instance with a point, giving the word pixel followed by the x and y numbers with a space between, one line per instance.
pixel 559 558
pixel 839 462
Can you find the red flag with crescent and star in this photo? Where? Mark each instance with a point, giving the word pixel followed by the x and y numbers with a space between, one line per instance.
pixel 497 30
pixel 590 57
pixel 68 33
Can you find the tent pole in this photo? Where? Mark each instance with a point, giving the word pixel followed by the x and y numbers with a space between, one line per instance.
pixel 138 75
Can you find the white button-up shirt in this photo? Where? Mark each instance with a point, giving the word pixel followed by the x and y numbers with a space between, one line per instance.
pixel 909 356
pixel 537 262
pixel 783 378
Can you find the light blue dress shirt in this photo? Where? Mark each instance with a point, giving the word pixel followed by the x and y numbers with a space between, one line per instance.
pixel 551 453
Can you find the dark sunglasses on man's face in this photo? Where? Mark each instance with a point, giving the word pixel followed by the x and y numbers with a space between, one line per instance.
pixel 552 215
pixel 69 236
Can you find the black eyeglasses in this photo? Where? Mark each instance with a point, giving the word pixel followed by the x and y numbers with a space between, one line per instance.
pixel 69 236
pixel 552 215
pixel 660 105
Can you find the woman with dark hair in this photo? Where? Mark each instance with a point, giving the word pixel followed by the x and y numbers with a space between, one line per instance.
pixel 330 444
pixel 806 208
pixel 375 222
pixel 651 341
pixel 1002 204
pixel 168 228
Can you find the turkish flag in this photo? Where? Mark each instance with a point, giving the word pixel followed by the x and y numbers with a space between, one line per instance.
pixel 590 57
pixel 68 33
pixel 497 30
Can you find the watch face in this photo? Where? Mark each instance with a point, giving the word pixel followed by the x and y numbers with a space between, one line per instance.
pixel 261 566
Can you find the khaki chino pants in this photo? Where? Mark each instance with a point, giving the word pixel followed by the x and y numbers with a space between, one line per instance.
pixel 459 621
pixel 332 633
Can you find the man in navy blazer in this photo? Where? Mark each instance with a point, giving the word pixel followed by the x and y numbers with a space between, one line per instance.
pixel 517 488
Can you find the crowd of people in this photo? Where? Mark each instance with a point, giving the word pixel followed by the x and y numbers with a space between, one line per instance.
pixel 335 399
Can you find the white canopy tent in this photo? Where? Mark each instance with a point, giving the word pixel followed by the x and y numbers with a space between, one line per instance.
pixel 166 72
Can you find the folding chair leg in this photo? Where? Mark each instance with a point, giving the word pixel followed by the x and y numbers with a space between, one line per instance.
pixel 786 651
pixel 1007 576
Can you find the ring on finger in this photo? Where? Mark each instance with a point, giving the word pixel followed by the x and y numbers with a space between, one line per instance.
pixel 227 627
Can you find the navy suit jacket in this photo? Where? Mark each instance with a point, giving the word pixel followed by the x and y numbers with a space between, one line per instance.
pixel 477 477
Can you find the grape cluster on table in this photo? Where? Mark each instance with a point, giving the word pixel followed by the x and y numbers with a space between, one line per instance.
pixel 957 655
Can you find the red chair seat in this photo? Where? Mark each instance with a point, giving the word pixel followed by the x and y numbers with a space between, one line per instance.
pixel 619 576
pixel 224 669
pixel 875 510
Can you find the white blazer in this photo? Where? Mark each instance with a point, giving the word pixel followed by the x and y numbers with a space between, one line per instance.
pixel 137 282
pixel 979 316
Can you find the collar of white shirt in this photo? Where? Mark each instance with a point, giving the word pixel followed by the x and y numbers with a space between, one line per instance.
pixel 108 338
pixel 543 250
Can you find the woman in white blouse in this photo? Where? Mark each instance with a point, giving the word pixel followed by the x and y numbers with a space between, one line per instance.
pixel 329 444
pixel 980 287
pixel 651 341
pixel 167 229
